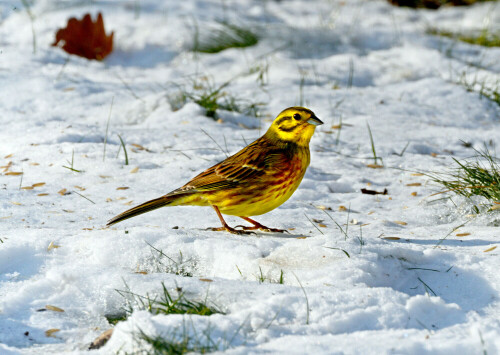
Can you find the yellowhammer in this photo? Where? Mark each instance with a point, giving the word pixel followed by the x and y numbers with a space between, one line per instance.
pixel 254 181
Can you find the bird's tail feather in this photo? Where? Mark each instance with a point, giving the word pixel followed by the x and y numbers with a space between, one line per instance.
pixel 146 207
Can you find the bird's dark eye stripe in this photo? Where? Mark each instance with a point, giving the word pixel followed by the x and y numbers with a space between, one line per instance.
pixel 282 119
pixel 289 129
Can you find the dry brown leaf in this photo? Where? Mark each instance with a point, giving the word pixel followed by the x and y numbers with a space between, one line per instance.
pixel 129 203
pixel 101 340
pixel 44 194
pixel 54 308
pixel 496 207
pixel 206 280
pixel 68 211
pixel 134 170
pixel 38 184
pixel 52 245
pixel 34 164
pixel 16 203
pixel 414 184
pixel 391 238
pixel 122 188
pixel 489 249
pixel 8 156
pixel 342 208
pixel 50 333
pixel 324 208
pixel 15 173
pixel 62 192
pixel 414 193
pixel 417 174
pixel 434 155
pixel 301 238
pixel 6 167
pixel 322 225
pixel 400 223
pixel 27 188
pixel 80 188
pixel 85 38
pixel 462 234
pixel 109 199
pixel 374 166
pixel 104 176
pixel 138 146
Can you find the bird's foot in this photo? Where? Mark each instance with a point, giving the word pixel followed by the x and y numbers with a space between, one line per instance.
pixel 262 228
pixel 230 230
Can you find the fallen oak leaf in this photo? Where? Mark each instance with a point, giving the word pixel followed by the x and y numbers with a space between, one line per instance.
pixel 85 38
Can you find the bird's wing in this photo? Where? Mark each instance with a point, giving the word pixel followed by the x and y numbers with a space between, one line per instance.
pixel 247 166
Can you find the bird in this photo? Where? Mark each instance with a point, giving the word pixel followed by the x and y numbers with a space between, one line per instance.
pixel 254 181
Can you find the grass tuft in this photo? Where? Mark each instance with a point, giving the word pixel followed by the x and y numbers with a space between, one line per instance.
pixel 176 342
pixel 71 164
pixel 162 303
pixel 483 38
pixel 178 266
pixel 375 157
pixel 227 36
pixel 213 98
pixel 487 90
pixel 478 176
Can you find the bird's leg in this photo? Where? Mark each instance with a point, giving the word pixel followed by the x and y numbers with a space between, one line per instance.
pixel 225 226
pixel 257 225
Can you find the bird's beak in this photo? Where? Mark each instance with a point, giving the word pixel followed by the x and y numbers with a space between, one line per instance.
pixel 314 120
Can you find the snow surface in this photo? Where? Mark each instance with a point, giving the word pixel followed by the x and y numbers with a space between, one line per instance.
pixel 404 85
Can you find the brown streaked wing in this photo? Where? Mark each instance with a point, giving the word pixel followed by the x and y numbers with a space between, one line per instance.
pixel 251 163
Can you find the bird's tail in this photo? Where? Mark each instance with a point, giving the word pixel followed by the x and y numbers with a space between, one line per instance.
pixel 146 207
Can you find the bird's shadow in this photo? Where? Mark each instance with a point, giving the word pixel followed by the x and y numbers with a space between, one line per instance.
pixel 261 234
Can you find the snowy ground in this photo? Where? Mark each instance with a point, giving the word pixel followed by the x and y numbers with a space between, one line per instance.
pixel 403 289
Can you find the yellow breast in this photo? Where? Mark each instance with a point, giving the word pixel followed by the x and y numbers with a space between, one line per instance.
pixel 264 197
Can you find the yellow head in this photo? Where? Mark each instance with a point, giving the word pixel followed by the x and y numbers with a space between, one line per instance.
pixel 294 124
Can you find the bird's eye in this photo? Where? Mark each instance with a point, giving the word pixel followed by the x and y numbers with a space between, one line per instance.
pixel 297 116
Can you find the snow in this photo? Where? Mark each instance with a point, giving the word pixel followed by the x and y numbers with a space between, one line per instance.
pixel 416 294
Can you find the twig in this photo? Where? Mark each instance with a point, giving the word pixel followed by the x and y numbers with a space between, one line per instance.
pixel 85 197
